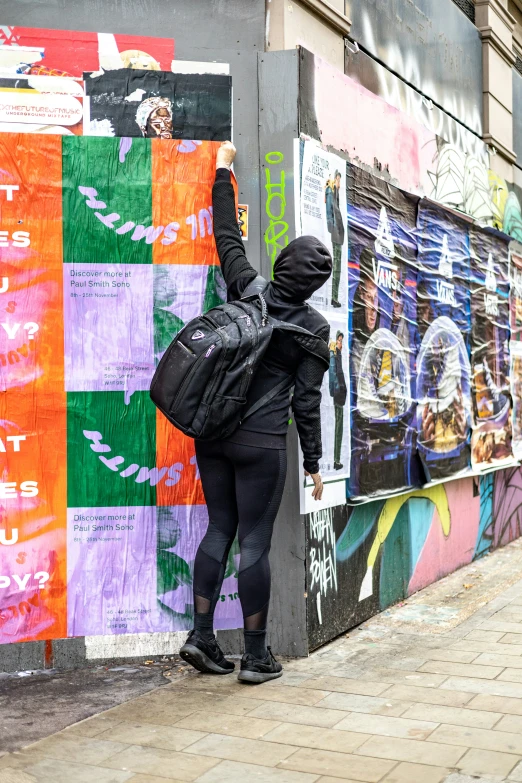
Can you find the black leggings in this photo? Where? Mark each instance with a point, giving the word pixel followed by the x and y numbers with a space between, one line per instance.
pixel 243 487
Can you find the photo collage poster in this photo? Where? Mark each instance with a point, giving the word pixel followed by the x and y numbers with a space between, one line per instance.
pixel 382 286
pixel 323 214
pixel 42 74
pixel 491 442
pixel 68 82
pixel 444 407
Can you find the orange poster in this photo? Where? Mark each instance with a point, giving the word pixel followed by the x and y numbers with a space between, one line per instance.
pixel 32 402
pixel 182 178
pixel 32 516
pixel 31 330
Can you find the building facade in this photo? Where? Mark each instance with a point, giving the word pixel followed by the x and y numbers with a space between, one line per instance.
pixel 421 102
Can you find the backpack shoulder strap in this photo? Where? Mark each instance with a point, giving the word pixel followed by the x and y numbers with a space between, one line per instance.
pixel 307 340
pixel 266 398
pixel 256 286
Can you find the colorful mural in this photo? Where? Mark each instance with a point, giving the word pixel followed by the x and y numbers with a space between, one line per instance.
pixel 362 560
pixel 419 149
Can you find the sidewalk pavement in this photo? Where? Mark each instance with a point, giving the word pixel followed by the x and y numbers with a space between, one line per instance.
pixel 428 692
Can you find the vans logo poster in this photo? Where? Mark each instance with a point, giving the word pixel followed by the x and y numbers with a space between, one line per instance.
pixel 384 241
pixel 385 273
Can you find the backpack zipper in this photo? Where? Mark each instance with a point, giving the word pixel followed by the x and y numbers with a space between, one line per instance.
pixel 217 369
pixel 186 381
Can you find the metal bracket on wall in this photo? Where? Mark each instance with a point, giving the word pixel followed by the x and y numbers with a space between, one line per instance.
pixel 352 46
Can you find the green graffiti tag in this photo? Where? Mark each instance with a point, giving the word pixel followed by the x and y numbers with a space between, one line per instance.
pixel 276 234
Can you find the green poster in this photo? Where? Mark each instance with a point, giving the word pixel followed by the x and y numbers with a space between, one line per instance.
pixel 107 201
pixel 111 450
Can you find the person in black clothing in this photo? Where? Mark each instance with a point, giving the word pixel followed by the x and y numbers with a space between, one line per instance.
pixel 243 476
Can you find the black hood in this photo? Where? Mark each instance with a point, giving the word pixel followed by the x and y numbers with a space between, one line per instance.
pixel 301 268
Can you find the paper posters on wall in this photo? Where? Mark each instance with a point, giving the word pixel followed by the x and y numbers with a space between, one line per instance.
pixel 321 200
pixel 152 104
pixel 489 285
pixel 41 104
pixel 38 51
pixel 335 406
pixel 33 587
pixel 323 215
pixel 90 467
pixel 515 345
pixel 382 287
pixel 444 406
pixel 242 219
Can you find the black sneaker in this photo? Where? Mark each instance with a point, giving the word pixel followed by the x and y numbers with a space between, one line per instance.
pixel 256 671
pixel 205 655
pixel 338 465
pixel 335 303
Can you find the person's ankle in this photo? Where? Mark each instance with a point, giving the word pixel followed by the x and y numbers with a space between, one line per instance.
pixel 204 625
pixel 255 644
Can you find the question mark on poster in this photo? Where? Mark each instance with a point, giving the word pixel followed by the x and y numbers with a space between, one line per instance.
pixel 42 576
pixel 32 328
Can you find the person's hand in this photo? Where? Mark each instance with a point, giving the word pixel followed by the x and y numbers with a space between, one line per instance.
pixel 317 492
pixel 225 155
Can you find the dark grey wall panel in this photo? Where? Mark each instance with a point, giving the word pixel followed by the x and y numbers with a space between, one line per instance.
pixel 517 116
pixel 278 127
pixel 230 31
pixel 431 44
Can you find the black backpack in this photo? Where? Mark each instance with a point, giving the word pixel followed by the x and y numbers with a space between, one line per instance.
pixel 202 381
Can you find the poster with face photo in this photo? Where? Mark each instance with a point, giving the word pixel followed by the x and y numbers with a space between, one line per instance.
pixel 158 104
pixel 515 345
pixel 323 215
pixel 489 285
pixel 382 283
pixel 444 408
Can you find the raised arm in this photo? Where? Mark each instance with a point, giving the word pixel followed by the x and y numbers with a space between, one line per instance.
pixel 237 271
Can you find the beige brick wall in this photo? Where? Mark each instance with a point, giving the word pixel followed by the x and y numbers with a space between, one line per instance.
pixel 294 24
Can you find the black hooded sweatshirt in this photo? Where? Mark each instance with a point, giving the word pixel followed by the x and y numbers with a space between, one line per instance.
pixel 300 269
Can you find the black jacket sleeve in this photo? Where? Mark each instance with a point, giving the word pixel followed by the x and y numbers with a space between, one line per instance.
pixel 306 404
pixel 237 271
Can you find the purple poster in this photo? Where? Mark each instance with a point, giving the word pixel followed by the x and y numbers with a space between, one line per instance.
pixel 130 570
pixel 108 327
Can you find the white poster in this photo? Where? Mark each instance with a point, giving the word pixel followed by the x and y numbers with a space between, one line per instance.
pixel 335 405
pixel 323 214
